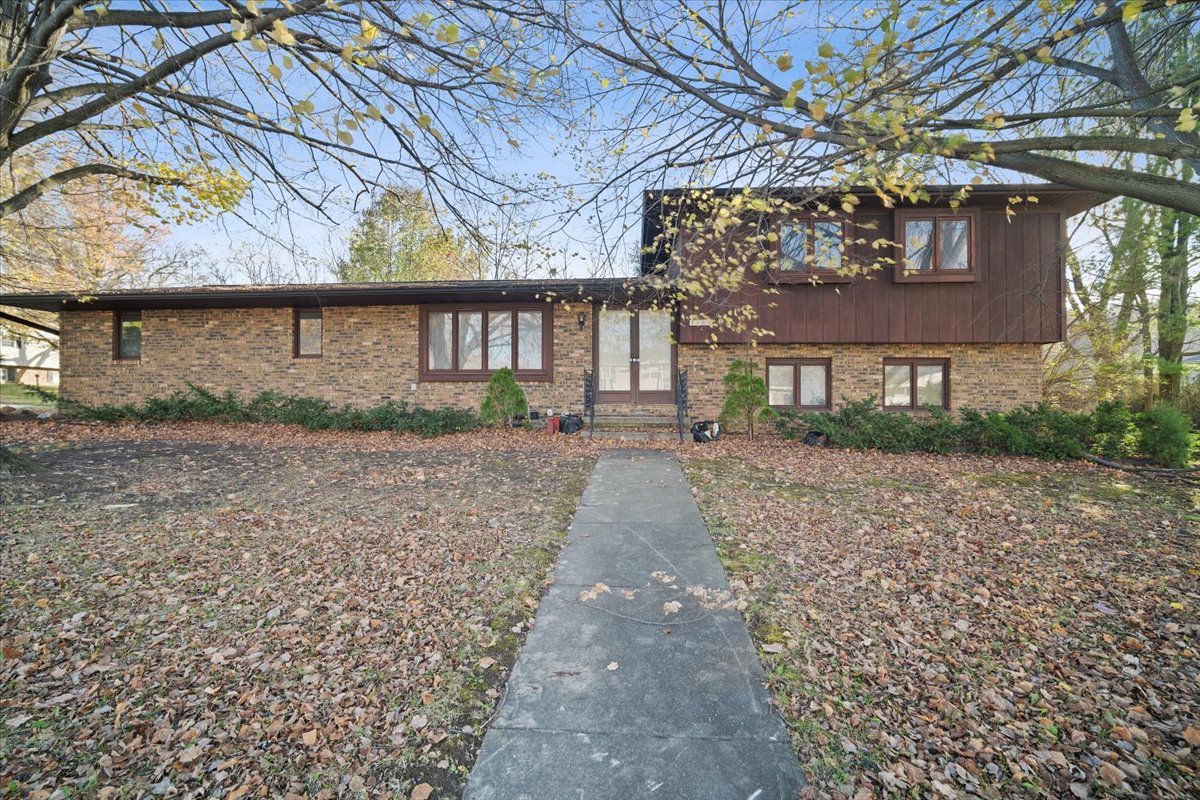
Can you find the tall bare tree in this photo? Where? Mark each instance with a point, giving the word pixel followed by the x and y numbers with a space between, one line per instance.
pixel 291 101
pixel 890 93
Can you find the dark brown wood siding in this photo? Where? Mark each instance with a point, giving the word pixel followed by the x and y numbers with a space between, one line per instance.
pixel 1018 296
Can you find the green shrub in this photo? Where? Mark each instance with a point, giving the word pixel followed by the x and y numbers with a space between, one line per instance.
pixel 1115 432
pixel 1166 436
pixel 195 403
pixel 1040 432
pixel 861 425
pixel 504 399
pixel 745 397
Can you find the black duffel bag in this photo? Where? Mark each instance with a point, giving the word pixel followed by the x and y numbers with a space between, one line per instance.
pixel 570 423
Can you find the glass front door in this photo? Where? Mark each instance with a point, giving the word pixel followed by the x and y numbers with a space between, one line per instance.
pixel 634 356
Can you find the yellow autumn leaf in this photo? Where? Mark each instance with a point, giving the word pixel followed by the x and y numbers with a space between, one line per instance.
pixel 424 121
pixel 369 30
pixel 275 71
pixel 1132 9
pixel 1187 121
pixel 816 110
pixel 825 50
pixel 784 62
pixel 346 138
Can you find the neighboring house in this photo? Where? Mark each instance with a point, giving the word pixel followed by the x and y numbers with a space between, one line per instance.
pixel 27 360
pixel 963 327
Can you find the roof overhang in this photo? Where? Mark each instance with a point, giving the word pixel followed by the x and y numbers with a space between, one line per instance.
pixel 338 294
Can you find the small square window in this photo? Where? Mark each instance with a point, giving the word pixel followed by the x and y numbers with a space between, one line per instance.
pixel 812 245
pixel 127 338
pixel 937 244
pixel 308 333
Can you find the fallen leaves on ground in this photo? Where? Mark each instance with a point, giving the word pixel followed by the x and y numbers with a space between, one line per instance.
pixel 253 611
pixel 966 626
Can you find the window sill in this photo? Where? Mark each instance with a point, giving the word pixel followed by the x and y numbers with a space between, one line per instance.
pixel 909 410
pixel 820 409
pixel 127 359
pixel 902 276
pixel 535 376
pixel 299 357
pixel 810 278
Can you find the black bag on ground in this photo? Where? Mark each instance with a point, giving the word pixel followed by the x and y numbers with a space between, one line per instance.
pixel 706 431
pixel 570 423
pixel 816 438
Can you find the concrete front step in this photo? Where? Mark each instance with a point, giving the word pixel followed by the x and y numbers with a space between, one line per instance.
pixel 634 421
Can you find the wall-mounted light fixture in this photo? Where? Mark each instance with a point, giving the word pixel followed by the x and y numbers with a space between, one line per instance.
pixel 582 319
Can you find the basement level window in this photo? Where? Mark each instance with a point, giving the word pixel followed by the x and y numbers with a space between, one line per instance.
pixel 127 335
pixel 307 333
pixel 798 383
pixel 911 384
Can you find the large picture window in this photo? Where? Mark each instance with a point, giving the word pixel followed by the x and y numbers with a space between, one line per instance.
pixel 937 245
pixel 798 383
pixel 910 384
pixel 470 343
pixel 127 335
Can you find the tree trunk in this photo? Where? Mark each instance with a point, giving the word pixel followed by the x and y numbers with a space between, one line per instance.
pixel 1175 232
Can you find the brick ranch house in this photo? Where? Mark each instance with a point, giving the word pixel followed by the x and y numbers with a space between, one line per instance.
pixel 959 321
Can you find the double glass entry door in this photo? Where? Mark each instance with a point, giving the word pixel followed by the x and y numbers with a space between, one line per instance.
pixel 634 361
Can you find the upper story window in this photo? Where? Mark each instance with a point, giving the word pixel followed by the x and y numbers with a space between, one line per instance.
pixel 937 245
pixel 910 384
pixel 307 333
pixel 127 335
pixel 470 343
pixel 811 246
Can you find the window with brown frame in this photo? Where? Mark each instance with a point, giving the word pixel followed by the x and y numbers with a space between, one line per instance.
pixel 127 335
pixel 910 384
pixel 799 383
pixel 811 246
pixel 465 343
pixel 307 333
pixel 937 245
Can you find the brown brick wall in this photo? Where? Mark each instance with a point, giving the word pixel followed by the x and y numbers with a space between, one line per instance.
pixel 987 377
pixel 370 355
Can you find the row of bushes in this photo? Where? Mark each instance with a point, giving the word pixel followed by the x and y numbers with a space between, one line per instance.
pixel 195 403
pixel 1161 435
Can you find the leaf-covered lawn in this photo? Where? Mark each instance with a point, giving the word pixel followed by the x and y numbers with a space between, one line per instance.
pixel 961 626
pixel 262 611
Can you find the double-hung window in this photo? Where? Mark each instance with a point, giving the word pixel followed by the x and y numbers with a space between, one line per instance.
pixel 798 383
pixel 470 343
pixel 910 384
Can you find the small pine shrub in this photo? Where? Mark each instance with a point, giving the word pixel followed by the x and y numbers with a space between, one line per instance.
pixel 745 397
pixel 1166 436
pixel 1114 431
pixel 195 403
pixel 504 399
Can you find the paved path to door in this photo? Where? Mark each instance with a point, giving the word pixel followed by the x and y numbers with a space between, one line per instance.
pixel 614 699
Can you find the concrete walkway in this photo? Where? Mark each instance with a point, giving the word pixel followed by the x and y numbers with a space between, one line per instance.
pixel 618 698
